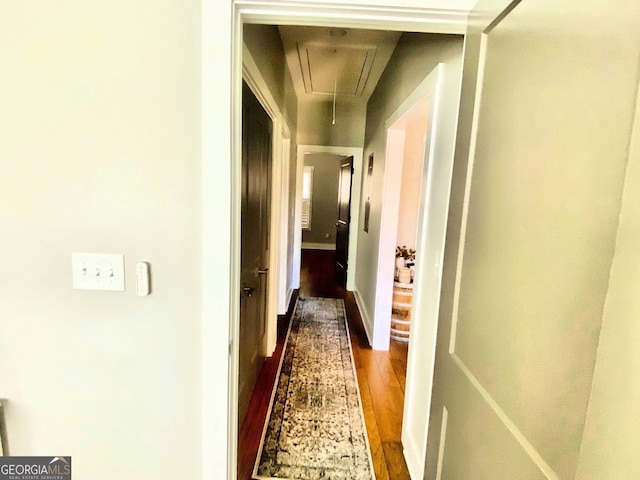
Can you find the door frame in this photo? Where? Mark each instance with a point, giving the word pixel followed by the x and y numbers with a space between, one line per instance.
pixel 357 154
pixel 421 356
pixel 304 12
pixel 392 182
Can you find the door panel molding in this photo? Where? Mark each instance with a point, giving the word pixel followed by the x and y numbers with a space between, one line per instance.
pixel 531 451
pixel 482 52
pixel 443 440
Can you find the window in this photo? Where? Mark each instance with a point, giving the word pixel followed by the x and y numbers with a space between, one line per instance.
pixel 307 194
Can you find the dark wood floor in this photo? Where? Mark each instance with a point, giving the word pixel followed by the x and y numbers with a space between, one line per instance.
pixel 381 377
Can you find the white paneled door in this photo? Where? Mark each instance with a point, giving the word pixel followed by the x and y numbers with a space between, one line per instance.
pixel 548 98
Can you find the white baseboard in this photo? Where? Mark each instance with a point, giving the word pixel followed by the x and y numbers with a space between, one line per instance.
pixel 366 320
pixel 318 246
pixel 412 459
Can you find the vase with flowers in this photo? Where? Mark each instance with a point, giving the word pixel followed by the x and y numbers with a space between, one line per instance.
pixel 405 261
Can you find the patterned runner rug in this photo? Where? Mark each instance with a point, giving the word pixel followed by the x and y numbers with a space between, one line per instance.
pixel 315 428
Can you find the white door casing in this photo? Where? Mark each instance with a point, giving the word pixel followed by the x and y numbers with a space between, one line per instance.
pixel 433 20
pixel 442 88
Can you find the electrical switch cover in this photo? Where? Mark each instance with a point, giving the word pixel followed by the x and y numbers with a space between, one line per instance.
pixel 98 271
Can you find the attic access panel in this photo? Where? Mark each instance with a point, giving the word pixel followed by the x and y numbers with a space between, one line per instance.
pixel 345 68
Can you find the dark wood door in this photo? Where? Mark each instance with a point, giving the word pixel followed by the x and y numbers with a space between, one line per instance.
pixel 344 219
pixel 256 178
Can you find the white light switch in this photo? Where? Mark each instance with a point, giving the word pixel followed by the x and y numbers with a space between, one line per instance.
pixel 98 271
pixel 142 279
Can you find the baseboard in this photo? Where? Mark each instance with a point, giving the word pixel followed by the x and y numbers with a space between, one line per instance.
pixel 290 293
pixel 318 246
pixel 366 320
pixel 412 458
pixel 293 298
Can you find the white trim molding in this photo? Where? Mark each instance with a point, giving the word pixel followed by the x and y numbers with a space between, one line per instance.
pixel 426 20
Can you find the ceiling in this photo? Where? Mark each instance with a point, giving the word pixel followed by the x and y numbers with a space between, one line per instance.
pixel 327 61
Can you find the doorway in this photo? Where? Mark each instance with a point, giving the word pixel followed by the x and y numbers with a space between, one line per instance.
pixel 353 209
pixel 255 246
pixel 439 91
pixel 422 21
pixel 326 208
pixel 402 208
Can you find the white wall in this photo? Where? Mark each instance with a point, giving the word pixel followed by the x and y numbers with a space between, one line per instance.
pixel 100 152
pixel 412 166
pixel 415 56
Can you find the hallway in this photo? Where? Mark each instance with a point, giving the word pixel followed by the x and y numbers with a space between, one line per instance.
pixel 381 377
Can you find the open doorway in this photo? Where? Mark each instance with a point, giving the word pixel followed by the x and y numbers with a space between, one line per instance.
pixel 422 129
pixel 357 183
pixel 326 208
pixel 318 239
pixel 320 200
pixel 406 140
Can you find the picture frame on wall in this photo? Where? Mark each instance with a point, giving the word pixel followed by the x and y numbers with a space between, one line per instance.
pixel 367 204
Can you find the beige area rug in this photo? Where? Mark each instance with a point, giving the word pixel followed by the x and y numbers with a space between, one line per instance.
pixel 315 429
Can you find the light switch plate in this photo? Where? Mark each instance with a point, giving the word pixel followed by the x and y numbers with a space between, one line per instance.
pixel 98 271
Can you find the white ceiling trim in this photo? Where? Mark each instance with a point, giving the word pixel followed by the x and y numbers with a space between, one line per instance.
pixel 425 20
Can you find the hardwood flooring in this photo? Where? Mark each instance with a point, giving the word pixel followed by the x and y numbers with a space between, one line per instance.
pixel 381 377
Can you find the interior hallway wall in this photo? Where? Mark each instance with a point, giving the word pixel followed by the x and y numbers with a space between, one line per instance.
pixel 324 206
pixel 415 56
pixel 315 128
